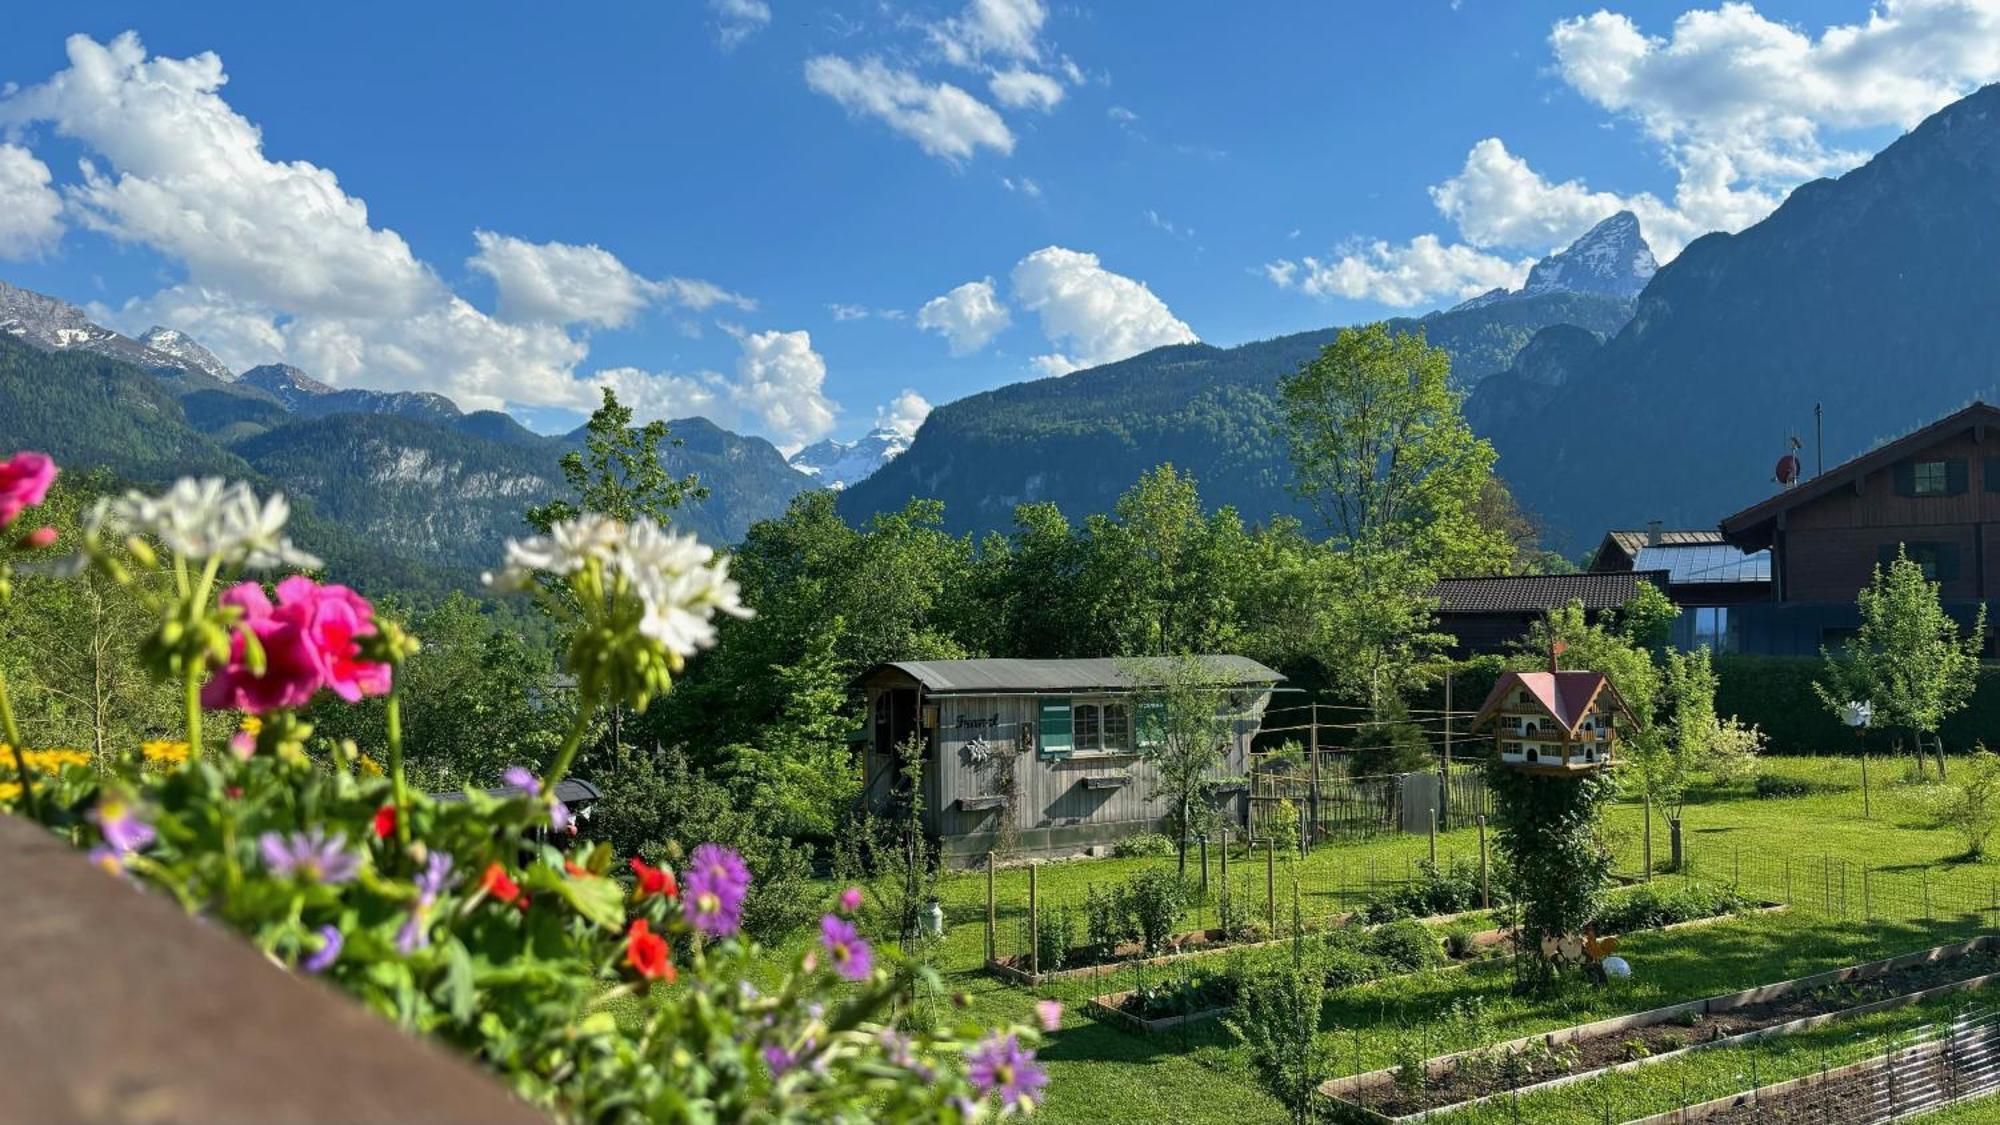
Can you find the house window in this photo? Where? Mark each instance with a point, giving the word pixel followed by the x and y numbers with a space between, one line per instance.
pixel 1711 628
pixel 1102 726
pixel 1929 478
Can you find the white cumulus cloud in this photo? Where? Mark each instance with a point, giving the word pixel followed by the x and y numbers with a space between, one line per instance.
pixel 1094 316
pixel 780 381
pixel 943 119
pixel 561 283
pixel 968 317
pixel 1008 29
pixel 30 210
pixel 904 414
pixel 1401 276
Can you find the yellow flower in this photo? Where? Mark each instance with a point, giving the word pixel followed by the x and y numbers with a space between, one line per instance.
pixel 46 761
pixel 370 767
pixel 162 751
pixel 251 725
pixel 9 792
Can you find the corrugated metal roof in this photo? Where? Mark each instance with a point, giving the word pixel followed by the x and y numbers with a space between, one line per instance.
pixel 1539 593
pixel 1708 562
pixel 978 677
pixel 570 791
pixel 1633 541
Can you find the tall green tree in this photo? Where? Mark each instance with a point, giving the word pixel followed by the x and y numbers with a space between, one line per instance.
pixel 618 472
pixel 1185 722
pixel 1383 453
pixel 1909 659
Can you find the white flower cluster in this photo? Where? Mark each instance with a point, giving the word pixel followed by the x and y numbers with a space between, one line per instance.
pixel 679 581
pixel 204 519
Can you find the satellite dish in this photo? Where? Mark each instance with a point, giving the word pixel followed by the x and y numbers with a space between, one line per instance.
pixel 1787 472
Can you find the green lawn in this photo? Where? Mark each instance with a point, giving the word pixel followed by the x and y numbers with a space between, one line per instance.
pixel 1100 1073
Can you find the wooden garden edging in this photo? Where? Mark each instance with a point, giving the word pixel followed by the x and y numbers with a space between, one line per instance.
pixel 1779 1090
pixel 120 1007
pixel 1337 1087
pixel 1107 1007
pixel 1108 1004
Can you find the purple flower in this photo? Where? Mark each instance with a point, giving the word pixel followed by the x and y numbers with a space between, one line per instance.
pixel 712 890
pixel 123 831
pixel 309 855
pixel 519 778
pixel 559 817
pixel 851 957
pixel 1050 1013
pixel 109 858
pixel 320 961
pixel 779 1060
pixel 1000 1067
pixel 431 880
pixel 415 933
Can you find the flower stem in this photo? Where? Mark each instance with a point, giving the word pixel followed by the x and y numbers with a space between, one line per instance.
pixel 586 709
pixel 393 729
pixel 13 732
pixel 194 660
pixel 191 703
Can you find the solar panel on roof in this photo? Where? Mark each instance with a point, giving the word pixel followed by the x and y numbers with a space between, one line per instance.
pixel 1707 562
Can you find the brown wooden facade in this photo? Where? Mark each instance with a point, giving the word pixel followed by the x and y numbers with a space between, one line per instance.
pixel 1934 493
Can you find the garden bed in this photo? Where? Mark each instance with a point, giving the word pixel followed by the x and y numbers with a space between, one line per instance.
pixel 1570 1054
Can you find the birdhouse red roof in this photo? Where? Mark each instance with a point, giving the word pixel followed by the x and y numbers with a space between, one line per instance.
pixel 1565 697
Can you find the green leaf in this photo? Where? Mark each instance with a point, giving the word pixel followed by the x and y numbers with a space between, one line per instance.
pixel 458 992
pixel 598 899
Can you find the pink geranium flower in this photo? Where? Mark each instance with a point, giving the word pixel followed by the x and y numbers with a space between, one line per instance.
pixel 24 481
pixel 334 617
pixel 291 666
pixel 309 640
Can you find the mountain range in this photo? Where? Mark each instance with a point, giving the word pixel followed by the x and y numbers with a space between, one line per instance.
pixel 1872 294
pixel 390 480
pixel 837 464
pixel 1079 440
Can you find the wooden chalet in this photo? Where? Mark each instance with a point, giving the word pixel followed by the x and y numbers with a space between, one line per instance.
pixel 1553 722
pixel 1057 740
pixel 1932 493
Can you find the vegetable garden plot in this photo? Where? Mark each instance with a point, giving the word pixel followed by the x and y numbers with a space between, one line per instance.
pixel 1571 1054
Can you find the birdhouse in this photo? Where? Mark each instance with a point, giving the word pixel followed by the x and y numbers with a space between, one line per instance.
pixel 1553 722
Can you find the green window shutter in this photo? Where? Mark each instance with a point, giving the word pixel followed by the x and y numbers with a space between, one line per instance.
pixel 1989 472
pixel 1906 478
pixel 1056 741
pixel 1152 722
pixel 1954 476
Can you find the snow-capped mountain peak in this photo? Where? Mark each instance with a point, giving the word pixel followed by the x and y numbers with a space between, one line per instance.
pixel 1611 257
pixel 188 350
pixel 55 325
pixel 837 464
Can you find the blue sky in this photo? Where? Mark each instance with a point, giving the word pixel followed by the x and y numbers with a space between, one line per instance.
pixel 742 208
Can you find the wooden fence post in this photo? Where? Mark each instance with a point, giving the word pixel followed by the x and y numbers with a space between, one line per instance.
pixel 1646 848
pixel 1034 923
pixel 1271 884
pixel 1308 840
pixel 1867 813
pixel 1485 891
pixel 992 948
pixel 1434 836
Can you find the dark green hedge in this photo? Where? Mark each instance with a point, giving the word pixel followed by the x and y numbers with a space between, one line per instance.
pixel 1775 693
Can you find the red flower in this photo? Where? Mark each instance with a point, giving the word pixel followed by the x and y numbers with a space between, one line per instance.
pixel 574 871
pixel 647 952
pixel 385 822
pixel 655 880
pixel 496 883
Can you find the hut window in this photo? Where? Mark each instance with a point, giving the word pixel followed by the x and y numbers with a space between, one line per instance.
pixel 1928 479
pixel 1103 726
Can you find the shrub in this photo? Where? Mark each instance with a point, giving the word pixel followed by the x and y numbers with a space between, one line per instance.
pixel 1054 937
pixel 1450 888
pixel 1198 988
pixel 1968 802
pixel 1143 845
pixel 1405 946
pixel 1157 897
pixel 1345 968
pixel 1645 908
pixel 1769 786
pixel 1107 921
pixel 1277 1018
pixel 1281 826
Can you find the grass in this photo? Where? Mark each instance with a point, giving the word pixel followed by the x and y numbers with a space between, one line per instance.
pixel 1198 1075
